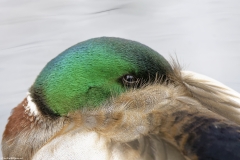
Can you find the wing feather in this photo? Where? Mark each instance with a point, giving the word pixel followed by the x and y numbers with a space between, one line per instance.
pixel 213 95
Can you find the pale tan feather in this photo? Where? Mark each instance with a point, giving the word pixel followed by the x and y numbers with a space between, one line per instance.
pixel 213 95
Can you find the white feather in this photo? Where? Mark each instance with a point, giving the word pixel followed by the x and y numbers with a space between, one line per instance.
pixel 79 145
pixel 31 107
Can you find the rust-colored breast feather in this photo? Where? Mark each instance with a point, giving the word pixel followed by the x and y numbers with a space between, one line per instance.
pixel 25 134
pixel 17 122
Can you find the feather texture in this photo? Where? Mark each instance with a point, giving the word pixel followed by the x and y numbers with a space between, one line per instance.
pixel 183 118
pixel 213 95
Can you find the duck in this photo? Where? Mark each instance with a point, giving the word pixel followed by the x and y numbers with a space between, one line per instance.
pixel 111 98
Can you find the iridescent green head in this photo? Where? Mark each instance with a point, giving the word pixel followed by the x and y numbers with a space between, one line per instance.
pixel 90 72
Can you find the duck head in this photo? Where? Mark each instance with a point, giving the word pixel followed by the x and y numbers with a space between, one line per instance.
pixel 90 72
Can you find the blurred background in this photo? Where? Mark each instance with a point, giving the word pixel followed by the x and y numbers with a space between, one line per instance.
pixel 203 34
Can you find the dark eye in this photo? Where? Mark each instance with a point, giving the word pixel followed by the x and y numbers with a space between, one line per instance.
pixel 129 79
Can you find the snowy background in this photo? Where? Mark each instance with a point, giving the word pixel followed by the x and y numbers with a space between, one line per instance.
pixel 204 34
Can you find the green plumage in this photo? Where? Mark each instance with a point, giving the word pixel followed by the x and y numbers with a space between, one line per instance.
pixel 90 72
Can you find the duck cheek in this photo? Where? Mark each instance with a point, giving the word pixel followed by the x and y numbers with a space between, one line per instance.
pixel 96 95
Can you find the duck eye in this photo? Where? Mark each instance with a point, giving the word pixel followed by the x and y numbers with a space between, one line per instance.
pixel 129 79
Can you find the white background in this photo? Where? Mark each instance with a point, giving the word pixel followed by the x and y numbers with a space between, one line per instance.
pixel 204 34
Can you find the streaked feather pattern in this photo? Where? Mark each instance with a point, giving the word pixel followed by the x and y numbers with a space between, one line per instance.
pixel 213 95
pixel 166 121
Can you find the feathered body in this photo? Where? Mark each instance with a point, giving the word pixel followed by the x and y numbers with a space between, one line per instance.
pixel 179 116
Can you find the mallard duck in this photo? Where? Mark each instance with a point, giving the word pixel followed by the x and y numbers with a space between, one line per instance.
pixel 112 98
